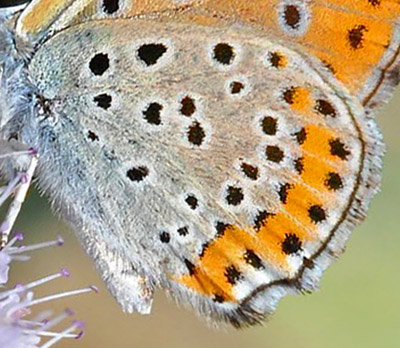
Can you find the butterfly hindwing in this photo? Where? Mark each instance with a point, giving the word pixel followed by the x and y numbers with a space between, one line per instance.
pixel 228 172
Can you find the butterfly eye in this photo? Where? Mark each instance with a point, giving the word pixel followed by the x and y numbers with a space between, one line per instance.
pixel 110 6
pixel 9 3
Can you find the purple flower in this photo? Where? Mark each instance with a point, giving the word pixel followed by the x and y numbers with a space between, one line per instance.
pixel 18 327
pixel 5 260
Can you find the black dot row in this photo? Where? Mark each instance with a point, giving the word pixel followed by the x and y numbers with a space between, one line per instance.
pixel 150 54
pixel 337 148
pixel 152 114
pixel 323 106
pixel 235 197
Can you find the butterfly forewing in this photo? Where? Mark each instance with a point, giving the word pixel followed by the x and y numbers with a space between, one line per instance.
pixel 362 52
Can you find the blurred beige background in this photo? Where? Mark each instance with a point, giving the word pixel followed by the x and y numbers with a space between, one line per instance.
pixel 358 304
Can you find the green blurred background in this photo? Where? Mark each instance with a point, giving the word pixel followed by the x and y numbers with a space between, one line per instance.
pixel 358 304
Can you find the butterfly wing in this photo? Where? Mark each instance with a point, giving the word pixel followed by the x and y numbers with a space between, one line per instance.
pixel 357 40
pixel 210 161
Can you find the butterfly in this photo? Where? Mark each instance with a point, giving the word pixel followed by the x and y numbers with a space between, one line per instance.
pixel 220 150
